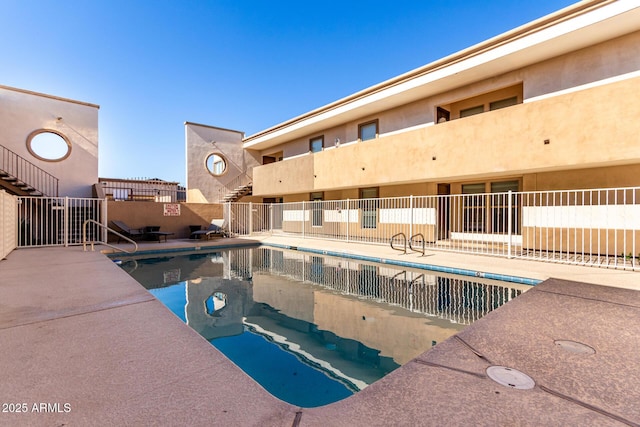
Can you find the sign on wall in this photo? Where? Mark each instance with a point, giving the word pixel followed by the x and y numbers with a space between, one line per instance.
pixel 172 209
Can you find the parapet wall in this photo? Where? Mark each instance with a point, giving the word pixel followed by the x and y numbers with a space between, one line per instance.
pixel 164 215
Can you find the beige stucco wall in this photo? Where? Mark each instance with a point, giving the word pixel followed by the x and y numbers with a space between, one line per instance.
pixel 142 214
pixel 381 328
pixel 603 177
pixel 591 127
pixel 22 112
pixel 494 144
pixel 201 141
pixel 293 299
pixel 8 223
pixel 605 60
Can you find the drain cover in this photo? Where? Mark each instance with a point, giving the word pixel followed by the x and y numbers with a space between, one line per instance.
pixel 510 377
pixel 575 347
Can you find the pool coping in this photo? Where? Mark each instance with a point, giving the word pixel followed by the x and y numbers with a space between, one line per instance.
pixel 416 265
pixel 380 260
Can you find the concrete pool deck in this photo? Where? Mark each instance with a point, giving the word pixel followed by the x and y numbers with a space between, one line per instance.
pixel 83 338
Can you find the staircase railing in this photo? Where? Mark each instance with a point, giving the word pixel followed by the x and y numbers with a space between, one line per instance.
pixel 23 170
pixel 239 181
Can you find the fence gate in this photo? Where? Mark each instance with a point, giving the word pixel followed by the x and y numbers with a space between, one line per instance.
pixel 57 221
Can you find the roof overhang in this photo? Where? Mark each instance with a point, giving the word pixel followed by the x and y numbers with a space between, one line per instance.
pixel 578 26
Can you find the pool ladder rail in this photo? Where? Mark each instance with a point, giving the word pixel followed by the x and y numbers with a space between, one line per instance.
pixel 85 241
pixel 416 238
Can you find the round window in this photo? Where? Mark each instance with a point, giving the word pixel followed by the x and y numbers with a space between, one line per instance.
pixel 48 145
pixel 216 164
pixel 215 303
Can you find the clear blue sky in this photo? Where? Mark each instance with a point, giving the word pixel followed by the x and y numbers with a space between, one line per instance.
pixel 243 65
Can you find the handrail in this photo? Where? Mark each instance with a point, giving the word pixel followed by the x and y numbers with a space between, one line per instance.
pixel 423 243
pixel 404 238
pixel 399 274
pixel 28 173
pixel 415 279
pixel 84 237
pixel 241 180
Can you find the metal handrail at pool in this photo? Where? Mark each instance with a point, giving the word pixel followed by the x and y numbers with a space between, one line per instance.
pixel 84 237
pixel 404 239
pixel 422 240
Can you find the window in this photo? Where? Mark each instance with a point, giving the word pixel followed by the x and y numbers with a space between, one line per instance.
pixel 503 103
pixel 479 208
pixel 316 209
pixel 369 281
pixel 369 207
pixel 216 164
pixel 442 115
pixel 316 272
pixel 473 206
pixel 472 111
pixel 48 145
pixel 316 144
pixel 368 130
pixel 500 206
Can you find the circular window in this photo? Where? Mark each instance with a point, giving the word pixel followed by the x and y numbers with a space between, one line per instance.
pixel 48 145
pixel 216 164
pixel 216 302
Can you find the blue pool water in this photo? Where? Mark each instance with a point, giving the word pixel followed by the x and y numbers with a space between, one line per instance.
pixel 313 330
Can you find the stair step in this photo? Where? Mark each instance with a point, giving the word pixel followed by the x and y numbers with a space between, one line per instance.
pixel 20 185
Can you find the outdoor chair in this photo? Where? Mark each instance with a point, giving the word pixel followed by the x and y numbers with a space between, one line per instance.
pixel 132 233
pixel 217 228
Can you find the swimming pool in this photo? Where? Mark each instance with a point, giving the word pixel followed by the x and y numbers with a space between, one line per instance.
pixel 314 329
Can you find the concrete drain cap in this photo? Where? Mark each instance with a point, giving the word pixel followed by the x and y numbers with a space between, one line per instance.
pixel 575 347
pixel 510 377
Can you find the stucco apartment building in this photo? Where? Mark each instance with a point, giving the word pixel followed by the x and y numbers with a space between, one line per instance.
pixel 550 105
pixel 48 144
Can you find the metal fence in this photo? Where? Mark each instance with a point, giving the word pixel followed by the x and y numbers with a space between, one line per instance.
pixel 57 221
pixel 596 227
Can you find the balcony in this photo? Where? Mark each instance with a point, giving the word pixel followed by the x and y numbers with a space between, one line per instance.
pixel 285 177
pixel 587 128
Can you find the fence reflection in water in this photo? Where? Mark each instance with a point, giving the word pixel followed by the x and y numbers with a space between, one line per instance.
pixel 450 297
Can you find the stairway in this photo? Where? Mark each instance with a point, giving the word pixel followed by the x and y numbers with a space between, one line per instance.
pixel 16 186
pixel 238 192
pixel 21 177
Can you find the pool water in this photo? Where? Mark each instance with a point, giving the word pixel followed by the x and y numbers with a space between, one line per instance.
pixel 313 330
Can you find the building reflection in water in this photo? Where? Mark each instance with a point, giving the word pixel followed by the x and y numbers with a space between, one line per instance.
pixel 354 319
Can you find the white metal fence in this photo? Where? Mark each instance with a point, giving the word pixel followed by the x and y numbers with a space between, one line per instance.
pixel 597 227
pixel 57 221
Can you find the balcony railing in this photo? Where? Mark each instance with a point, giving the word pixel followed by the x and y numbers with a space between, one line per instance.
pixel 597 227
pixel 128 192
